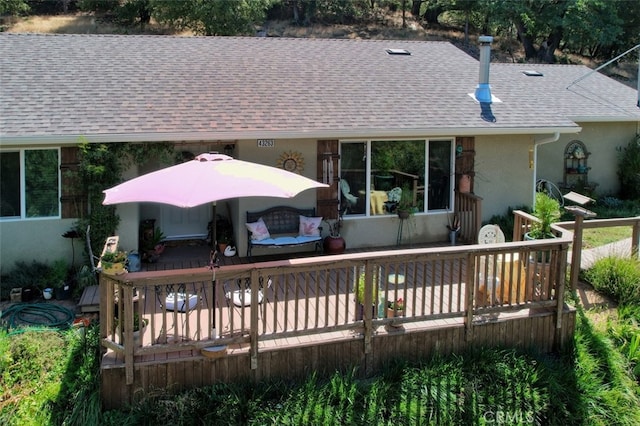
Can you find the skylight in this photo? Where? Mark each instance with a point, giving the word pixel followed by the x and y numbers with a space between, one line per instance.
pixel 398 52
pixel 532 73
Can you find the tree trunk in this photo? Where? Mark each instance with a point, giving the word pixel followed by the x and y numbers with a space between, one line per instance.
pixel 432 13
pixel 529 49
pixel 553 41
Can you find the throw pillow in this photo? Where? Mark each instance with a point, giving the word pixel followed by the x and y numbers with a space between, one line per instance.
pixel 258 230
pixel 309 226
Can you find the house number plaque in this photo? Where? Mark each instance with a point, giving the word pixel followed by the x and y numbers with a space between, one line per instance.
pixel 266 143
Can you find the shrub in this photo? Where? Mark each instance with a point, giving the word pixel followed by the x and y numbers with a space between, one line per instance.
pixel 617 277
pixel 629 169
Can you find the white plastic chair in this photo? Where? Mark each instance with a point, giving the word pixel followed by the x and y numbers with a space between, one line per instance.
pixel 488 279
pixel 350 199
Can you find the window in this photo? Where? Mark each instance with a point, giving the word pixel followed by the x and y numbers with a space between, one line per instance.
pixel 379 176
pixel 30 183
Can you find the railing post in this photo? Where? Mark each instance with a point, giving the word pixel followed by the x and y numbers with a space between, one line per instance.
pixel 635 239
pixel 469 296
pixel 367 315
pixel 560 281
pixel 126 326
pixel 253 320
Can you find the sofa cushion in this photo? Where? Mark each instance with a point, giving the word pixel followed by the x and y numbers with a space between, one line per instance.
pixel 309 226
pixel 258 230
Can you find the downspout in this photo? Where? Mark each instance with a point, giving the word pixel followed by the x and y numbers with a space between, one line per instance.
pixel 536 144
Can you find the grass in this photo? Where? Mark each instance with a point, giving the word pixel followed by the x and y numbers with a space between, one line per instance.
pixel 596 237
pixel 81 24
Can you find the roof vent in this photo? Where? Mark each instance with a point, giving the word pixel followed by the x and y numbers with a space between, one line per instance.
pixel 483 90
pixel 532 73
pixel 398 52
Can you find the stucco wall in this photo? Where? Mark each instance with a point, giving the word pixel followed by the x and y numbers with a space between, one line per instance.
pixel 503 176
pixel 602 140
pixel 37 239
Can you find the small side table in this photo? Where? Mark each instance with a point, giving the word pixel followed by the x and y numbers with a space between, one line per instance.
pixel 395 279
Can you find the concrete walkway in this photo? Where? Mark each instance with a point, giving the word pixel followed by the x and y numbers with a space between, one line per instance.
pixel 620 248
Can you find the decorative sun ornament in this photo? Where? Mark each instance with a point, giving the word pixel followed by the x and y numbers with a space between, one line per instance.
pixel 291 161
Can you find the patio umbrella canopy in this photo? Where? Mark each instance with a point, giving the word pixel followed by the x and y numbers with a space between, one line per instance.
pixel 209 178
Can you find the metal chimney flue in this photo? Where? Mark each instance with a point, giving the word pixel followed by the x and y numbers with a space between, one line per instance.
pixel 483 91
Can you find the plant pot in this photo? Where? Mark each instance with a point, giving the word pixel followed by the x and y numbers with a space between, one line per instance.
pixel 360 312
pixel 452 237
pixel 464 184
pixel 392 313
pixel 334 245
pixel 47 293
pixel 404 214
pixel 383 182
pixel 113 268
pixel 63 293
pixel 222 247
pixel 16 295
pixel 137 335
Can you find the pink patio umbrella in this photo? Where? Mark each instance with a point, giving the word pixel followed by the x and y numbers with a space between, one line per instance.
pixel 209 178
pixel 206 179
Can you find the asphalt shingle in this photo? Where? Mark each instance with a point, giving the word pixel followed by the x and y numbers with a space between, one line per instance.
pixel 231 87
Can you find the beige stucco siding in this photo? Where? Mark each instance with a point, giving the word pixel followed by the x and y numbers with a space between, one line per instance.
pixel 37 239
pixel 602 141
pixel 503 176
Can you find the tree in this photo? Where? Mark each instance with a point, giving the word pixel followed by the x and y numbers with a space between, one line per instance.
pixel 13 7
pixel 211 17
pixel 593 26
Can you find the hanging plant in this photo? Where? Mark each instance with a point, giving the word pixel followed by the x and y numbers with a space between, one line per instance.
pixel 101 166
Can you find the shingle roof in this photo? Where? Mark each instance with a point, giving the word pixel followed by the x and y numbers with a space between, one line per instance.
pixel 167 88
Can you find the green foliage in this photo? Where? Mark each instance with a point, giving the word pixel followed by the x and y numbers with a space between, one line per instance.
pixel 546 209
pixel 360 289
pixel 14 7
pixel 58 273
pixel 629 170
pixel 607 393
pixel 625 333
pixel 25 275
pixel 49 377
pixel 617 277
pixel 111 257
pixel 221 18
pixel 101 167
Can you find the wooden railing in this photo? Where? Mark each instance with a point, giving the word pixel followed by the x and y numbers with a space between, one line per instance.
pixel 468 208
pixel 299 298
pixel 633 222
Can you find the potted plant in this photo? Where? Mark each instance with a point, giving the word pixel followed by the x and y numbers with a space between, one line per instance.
pixel 224 239
pixel 383 163
pixel 360 291
pixel 153 246
pixel 113 262
pixel 57 279
pixel 547 210
pixel 139 327
pixel 395 308
pixel 334 243
pixel 405 207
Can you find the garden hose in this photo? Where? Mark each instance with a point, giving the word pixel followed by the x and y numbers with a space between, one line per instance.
pixel 37 314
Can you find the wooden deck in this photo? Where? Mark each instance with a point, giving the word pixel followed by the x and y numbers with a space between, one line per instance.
pixel 309 309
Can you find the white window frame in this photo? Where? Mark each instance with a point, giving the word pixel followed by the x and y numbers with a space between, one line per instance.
pixel 427 141
pixel 23 177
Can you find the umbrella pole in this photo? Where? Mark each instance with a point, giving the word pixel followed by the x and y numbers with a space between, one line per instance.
pixel 214 225
pixel 213 264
